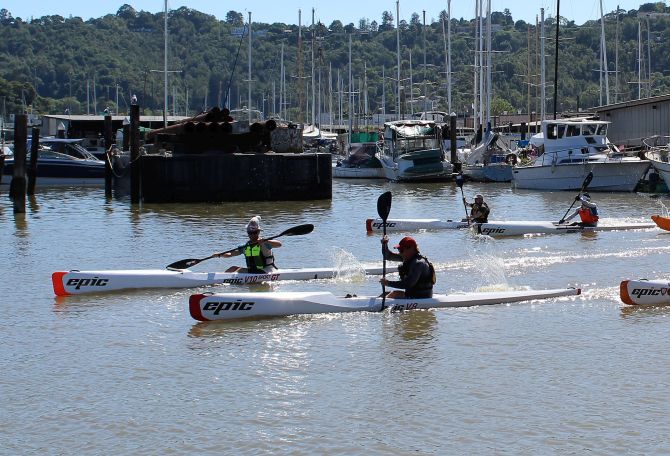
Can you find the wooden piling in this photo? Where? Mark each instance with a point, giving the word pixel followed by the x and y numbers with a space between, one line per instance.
pixel 108 155
pixel 453 144
pixel 17 189
pixel 134 154
pixel 34 155
pixel 2 165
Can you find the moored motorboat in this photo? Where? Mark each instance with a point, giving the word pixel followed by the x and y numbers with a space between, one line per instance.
pixel 62 162
pixel 412 152
pixel 570 149
pixel 361 163
pixel 645 292
pixel 662 222
pixel 80 282
pixel 499 229
pixel 659 155
pixel 231 306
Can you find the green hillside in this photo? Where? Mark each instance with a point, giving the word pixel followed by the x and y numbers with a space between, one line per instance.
pixel 48 62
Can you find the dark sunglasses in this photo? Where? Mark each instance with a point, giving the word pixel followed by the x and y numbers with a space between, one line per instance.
pixel 253 232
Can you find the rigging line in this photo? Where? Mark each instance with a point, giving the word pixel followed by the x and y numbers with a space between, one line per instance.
pixel 232 72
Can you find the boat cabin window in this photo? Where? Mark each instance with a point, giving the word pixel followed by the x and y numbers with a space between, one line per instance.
pixel 405 145
pixel 573 130
pixel 555 131
pixel 589 129
pixel 602 130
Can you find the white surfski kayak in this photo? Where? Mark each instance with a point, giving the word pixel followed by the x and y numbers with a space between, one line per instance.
pixel 80 282
pixel 498 229
pixel 231 306
pixel 645 292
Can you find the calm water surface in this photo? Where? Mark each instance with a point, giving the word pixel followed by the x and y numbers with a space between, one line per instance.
pixel 132 373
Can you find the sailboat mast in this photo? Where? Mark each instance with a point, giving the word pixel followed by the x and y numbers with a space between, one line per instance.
pixel 313 81
pixel 449 55
pixel 397 20
pixel 558 21
pixel 603 48
pixel 543 84
pixel 489 86
pixel 165 65
pixel 249 73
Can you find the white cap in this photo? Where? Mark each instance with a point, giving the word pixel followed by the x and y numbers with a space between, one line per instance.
pixel 254 224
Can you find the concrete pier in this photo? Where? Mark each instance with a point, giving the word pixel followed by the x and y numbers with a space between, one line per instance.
pixel 215 177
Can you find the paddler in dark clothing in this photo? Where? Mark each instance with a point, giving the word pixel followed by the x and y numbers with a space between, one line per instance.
pixel 257 252
pixel 417 275
pixel 480 210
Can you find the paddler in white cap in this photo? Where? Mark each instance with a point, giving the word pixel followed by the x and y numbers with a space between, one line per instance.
pixel 258 251
pixel 480 210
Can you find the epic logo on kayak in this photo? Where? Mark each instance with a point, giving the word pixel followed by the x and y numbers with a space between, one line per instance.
pixel 490 231
pixel 253 279
pixel 381 224
pixel 217 306
pixel 94 282
pixel 403 307
pixel 639 292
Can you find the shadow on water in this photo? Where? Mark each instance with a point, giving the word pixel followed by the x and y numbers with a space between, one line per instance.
pixel 416 325
pixel 640 313
pixel 223 212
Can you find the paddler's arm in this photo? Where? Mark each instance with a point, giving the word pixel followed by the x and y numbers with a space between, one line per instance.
pixel 238 251
pixel 386 253
pixel 409 280
pixel 270 243
pixel 570 217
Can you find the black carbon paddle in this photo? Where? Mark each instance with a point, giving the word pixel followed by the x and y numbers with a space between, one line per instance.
pixel 459 182
pixel 383 209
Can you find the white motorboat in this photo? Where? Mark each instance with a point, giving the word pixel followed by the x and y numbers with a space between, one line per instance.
pixel 568 149
pixel 658 154
pixel 412 152
pixel 232 306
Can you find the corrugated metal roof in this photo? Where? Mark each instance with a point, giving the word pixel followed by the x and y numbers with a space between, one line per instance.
pixel 631 103
pixel 102 118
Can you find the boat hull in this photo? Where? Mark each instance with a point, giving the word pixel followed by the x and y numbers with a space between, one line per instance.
pixel 615 176
pixel 419 166
pixel 233 306
pixel 83 282
pixel 662 166
pixel 345 172
pixel 497 229
pixel 62 172
pixel 645 292
pixel 661 222
pixel 498 172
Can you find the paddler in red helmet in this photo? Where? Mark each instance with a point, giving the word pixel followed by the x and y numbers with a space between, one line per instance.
pixel 417 275
pixel 588 212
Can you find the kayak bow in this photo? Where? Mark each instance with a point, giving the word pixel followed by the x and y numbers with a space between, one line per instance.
pixel 645 292
pixel 232 306
pixel 80 282
pixel 498 229
pixel 662 222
